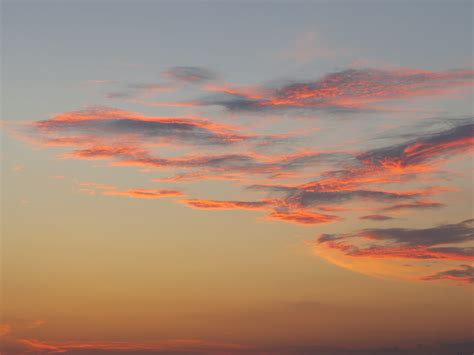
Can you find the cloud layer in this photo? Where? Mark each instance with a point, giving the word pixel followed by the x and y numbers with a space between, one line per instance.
pixel 350 90
pixel 294 178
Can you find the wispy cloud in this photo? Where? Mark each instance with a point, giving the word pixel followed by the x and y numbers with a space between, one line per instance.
pixel 181 345
pixel 109 124
pixel 390 164
pixel 304 185
pixel 348 90
pixel 404 243
pixel 144 193
pixel 226 205
pixel 417 205
pixel 189 74
pixel 301 216
pixel 465 274
pixel 376 217
pixel 5 329
pixel 139 91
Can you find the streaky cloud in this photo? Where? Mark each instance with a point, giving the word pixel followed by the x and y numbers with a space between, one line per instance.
pixel 376 217
pixel 405 243
pixel 350 90
pixel 144 193
pixel 301 216
pixel 465 274
pixel 189 74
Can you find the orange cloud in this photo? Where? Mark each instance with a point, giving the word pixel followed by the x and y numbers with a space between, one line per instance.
pixel 439 244
pixel 302 217
pixel 184 345
pixel 226 205
pixel 417 252
pixel 348 90
pixel 5 329
pixel 144 193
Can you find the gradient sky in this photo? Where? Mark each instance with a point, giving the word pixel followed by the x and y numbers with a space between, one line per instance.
pixel 236 177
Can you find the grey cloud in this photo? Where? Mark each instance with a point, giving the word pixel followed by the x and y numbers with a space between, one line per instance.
pixel 189 74
pixel 442 234
pixel 465 273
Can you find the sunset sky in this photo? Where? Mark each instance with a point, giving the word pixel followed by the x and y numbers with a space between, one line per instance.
pixel 227 177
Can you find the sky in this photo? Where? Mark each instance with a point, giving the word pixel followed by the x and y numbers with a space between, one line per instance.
pixel 236 177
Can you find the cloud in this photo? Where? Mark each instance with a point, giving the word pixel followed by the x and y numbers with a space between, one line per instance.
pixel 417 205
pixel 225 205
pixel 5 329
pixel 92 188
pixel 351 90
pixel 183 345
pixel 416 155
pixel 405 243
pixel 195 176
pixel 105 152
pixel 390 164
pixel 194 148
pixel 356 180
pixel 192 346
pixel 307 198
pixel 109 124
pixel 376 217
pixel 383 252
pixel 18 168
pixel 244 164
pixel 465 273
pixel 139 90
pixel 442 234
pixel 190 75
pixel 131 139
pixel 300 216
pixel 144 193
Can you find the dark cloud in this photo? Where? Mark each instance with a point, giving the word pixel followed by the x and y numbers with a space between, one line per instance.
pixel 351 90
pixel 443 234
pixel 313 198
pixel 428 243
pixel 424 148
pixel 417 205
pixel 379 166
pixel 376 217
pixel 104 123
pixel 136 90
pixel 244 164
pixel 189 74
pixel 465 273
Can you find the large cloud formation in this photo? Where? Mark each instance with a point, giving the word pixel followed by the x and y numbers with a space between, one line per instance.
pixel 393 163
pixel 348 90
pixel 306 186
pixel 103 123
pixel 443 243
pixel 428 243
